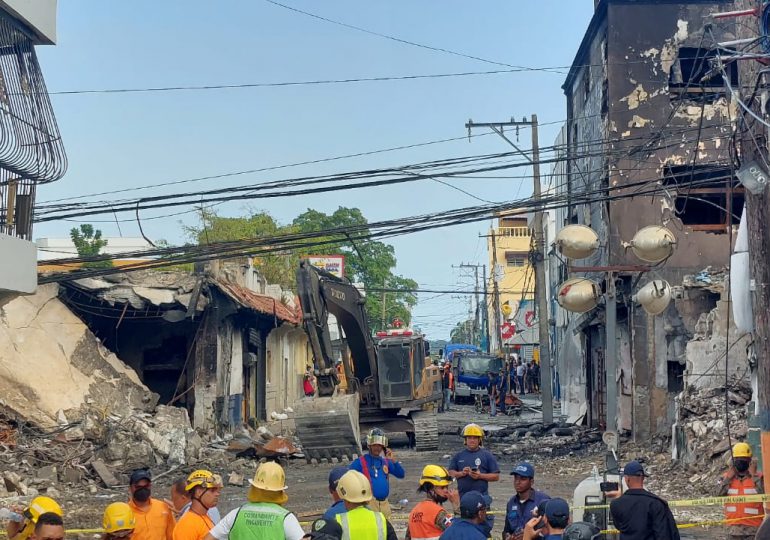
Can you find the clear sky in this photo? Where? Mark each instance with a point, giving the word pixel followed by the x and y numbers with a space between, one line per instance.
pixel 116 141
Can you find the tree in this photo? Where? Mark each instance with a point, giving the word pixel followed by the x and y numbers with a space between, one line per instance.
pixel 89 243
pixel 462 332
pixel 366 261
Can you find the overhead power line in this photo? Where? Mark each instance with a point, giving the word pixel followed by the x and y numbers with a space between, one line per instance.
pixel 405 41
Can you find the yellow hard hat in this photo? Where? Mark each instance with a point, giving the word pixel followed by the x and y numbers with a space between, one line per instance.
pixel 473 430
pixel 269 477
pixel 118 517
pixel 203 478
pixel 741 449
pixel 435 475
pixel 42 505
pixel 354 487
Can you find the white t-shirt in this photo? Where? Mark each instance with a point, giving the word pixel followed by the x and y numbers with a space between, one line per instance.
pixel 520 370
pixel 291 527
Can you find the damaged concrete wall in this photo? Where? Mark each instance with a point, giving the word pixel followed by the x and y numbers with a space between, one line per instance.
pixel 288 348
pixel 51 362
pixel 707 355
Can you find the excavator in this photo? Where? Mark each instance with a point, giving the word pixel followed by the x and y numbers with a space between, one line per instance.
pixel 390 382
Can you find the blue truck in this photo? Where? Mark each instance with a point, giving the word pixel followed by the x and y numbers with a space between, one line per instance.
pixel 470 367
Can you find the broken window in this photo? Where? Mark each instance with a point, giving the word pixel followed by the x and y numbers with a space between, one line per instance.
pixel 706 198
pixel 693 77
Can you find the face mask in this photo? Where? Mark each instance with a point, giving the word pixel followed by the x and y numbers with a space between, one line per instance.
pixel 142 494
pixel 741 465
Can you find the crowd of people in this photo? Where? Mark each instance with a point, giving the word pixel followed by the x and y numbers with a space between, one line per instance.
pixel 360 510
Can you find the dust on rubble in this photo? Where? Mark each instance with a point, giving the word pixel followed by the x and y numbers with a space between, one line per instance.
pixel 70 464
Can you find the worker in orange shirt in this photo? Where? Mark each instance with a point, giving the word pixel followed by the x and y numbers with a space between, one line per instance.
pixel 154 518
pixel 204 488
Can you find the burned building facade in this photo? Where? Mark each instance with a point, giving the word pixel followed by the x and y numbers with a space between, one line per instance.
pixel 647 142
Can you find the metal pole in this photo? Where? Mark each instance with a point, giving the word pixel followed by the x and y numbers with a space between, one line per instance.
pixel 384 312
pixel 485 312
pixel 540 286
pixel 611 356
pixel 496 293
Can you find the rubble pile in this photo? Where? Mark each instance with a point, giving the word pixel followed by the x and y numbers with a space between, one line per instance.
pixel 524 440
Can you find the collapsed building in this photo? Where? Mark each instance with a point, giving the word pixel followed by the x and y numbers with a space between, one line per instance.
pixel 645 109
pixel 171 355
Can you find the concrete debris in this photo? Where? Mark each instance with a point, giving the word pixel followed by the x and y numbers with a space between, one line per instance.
pixel 235 479
pixel 701 446
pixel 104 473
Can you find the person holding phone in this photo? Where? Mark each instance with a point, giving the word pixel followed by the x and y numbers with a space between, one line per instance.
pixel 474 467
pixel 520 507
pixel 377 466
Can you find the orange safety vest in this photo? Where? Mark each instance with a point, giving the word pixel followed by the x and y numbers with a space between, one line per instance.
pixel 750 514
pixel 422 521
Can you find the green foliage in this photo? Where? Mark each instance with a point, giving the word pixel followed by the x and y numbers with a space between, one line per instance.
pixel 366 261
pixel 89 243
pixel 462 332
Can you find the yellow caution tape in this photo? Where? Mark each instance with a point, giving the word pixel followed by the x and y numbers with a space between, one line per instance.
pixel 703 501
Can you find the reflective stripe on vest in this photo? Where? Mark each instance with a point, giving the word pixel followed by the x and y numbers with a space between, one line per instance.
pixel 259 521
pixel 422 521
pixel 746 514
pixel 362 524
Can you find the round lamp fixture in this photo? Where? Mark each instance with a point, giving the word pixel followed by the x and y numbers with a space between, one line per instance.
pixel 577 241
pixel 653 244
pixel 578 295
pixel 654 297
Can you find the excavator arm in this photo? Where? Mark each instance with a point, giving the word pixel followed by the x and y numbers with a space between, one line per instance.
pixel 321 294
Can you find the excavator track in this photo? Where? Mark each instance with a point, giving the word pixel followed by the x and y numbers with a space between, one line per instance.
pixel 425 430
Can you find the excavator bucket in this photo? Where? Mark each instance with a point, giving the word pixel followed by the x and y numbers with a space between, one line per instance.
pixel 327 427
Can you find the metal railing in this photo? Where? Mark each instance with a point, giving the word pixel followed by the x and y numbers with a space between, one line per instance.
pixel 31 150
pixel 516 232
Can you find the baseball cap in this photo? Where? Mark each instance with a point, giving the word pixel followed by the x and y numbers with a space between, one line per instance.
pixel 556 509
pixel 524 469
pixel 334 476
pixel 634 468
pixel 139 475
pixel 471 503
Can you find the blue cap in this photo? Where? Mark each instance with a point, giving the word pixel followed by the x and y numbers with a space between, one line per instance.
pixel 471 503
pixel 633 468
pixel 334 476
pixel 557 509
pixel 524 469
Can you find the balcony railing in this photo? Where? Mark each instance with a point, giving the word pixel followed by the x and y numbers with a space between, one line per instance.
pixel 516 232
pixel 31 150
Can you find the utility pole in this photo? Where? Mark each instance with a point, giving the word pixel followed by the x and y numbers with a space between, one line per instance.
pixel 485 311
pixel 477 320
pixel 541 296
pixel 496 294
pixel 758 216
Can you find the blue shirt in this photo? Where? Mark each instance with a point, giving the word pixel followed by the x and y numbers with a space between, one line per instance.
pixel 213 513
pixel 336 508
pixel 462 529
pixel 378 470
pixel 518 513
pixel 483 460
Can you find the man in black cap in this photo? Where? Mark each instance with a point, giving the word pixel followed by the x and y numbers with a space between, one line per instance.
pixel 639 514
pixel 551 524
pixel 473 523
pixel 519 509
pixel 339 505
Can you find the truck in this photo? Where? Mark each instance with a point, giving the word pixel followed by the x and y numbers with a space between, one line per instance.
pixel 470 369
pixel 390 382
